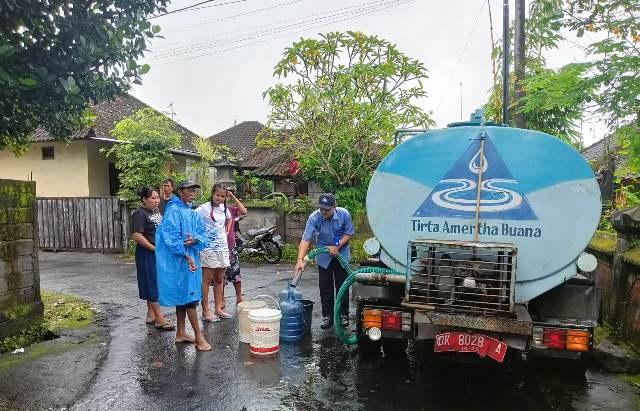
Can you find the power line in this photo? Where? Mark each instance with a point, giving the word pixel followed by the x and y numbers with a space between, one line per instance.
pixel 263 33
pixel 330 15
pixel 195 7
pixel 304 18
pixel 232 17
pixel 464 49
pixel 285 34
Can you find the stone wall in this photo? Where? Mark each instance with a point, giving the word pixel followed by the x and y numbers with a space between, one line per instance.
pixel 20 302
pixel 625 301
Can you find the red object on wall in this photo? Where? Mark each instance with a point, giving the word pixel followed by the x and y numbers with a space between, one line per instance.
pixel 294 167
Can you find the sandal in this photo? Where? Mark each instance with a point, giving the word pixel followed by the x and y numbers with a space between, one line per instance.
pixel 150 321
pixel 165 327
pixel 213 319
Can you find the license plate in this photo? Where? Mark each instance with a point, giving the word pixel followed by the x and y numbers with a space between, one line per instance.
pixel 463 342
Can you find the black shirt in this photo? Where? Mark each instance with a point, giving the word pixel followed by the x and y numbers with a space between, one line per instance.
pixel 145 221
pixel 163 204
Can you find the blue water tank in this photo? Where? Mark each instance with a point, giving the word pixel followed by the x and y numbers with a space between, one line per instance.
pixel 292 322
pixel 519 187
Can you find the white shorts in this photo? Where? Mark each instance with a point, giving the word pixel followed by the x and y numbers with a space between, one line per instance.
pixel 214 259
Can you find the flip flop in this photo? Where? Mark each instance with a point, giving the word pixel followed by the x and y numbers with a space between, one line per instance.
pixel 225 316
pixel 213 319
pixel 150 321
pixel 165 327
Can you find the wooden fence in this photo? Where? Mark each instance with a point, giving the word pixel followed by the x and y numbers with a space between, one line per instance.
pixel 86 223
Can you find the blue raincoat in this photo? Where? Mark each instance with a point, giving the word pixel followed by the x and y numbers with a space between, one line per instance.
pixel 176 284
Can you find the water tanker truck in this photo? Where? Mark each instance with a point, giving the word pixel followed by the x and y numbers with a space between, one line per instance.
pixel 485 227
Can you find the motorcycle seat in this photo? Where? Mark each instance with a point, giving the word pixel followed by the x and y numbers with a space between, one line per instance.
pixel 257 231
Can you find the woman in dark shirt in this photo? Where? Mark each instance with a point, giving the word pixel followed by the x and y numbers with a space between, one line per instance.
pixel 143 231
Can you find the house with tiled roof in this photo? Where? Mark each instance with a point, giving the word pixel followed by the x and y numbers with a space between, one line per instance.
pixel 274 163
pixel 607 160
pixel 80 168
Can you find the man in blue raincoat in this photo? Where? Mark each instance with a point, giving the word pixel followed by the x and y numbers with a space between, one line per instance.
pixel 179 239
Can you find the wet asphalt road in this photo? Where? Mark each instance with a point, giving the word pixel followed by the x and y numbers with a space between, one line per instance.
pixel 145 370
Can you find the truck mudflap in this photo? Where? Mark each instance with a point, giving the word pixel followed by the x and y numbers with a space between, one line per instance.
pixel 521 325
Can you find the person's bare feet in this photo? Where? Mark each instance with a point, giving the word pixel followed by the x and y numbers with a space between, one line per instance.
pixel 185 338
pixel 202 345
pixel 239 300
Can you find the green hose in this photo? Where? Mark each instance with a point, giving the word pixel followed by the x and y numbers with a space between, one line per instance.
pixel 351 277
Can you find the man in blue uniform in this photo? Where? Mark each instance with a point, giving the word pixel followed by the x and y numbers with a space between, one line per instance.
pixel 332 227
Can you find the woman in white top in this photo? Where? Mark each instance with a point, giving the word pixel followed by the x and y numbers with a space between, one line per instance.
pixel 215 257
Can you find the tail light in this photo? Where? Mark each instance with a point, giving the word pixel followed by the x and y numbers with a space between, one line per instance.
pixel 387 320
pixel 372 318
pixel 577 340
pixel 392 320
pixel 562 338
pixel 554 338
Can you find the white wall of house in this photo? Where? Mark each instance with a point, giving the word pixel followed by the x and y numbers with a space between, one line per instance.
pixel 98 165
pixel 65 175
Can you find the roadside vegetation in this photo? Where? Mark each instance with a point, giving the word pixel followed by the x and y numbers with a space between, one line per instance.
pixel 61 312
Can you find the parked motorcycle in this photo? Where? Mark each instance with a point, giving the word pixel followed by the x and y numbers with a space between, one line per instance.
pixel 260 241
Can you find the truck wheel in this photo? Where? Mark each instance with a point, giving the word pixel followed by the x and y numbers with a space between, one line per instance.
pixel 365 345
pixel 394 347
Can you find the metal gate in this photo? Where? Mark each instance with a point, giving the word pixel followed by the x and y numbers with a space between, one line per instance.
pixel 86 223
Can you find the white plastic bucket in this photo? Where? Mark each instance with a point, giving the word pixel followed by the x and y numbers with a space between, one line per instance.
pixel 264 325
pixel 243 309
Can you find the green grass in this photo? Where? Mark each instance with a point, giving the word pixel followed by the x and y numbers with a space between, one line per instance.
pixel 65 312
pixel 61 312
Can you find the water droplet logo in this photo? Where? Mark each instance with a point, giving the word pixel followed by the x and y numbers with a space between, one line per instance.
pixel 455 195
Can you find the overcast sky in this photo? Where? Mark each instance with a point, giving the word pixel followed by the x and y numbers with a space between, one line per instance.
pixel 215 62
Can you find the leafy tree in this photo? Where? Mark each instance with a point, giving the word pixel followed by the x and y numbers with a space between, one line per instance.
pixel 56 56
pixel 344 95
pixel 554 101
pixel 144 155
pixel 616 68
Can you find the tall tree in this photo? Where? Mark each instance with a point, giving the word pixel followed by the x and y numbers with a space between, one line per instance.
pixel 344 95
pixel 56 56
pixel 552 101
pixel 143 156
pixel 616 67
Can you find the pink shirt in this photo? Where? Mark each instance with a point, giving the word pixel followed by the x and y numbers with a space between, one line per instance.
pixel 231 235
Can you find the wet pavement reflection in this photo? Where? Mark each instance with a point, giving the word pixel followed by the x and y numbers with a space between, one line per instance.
pixel 145 369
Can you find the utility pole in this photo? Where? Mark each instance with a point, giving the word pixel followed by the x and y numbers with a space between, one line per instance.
pixel 520 63
pixel 505 62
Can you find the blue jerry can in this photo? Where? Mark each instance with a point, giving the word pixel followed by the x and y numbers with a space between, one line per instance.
pixel 292 322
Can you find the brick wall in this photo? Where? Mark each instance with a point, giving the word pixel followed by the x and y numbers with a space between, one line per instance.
pixel 20 302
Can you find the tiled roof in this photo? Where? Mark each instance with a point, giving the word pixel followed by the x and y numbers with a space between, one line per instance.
pixel 596 150
pixel 241 138
pixel 268 162
pixel 108 113
pixel 272 162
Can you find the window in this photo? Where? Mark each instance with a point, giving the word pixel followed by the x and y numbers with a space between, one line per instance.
pixel 48 153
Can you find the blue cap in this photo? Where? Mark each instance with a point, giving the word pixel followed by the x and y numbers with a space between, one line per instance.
pixel 327 201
